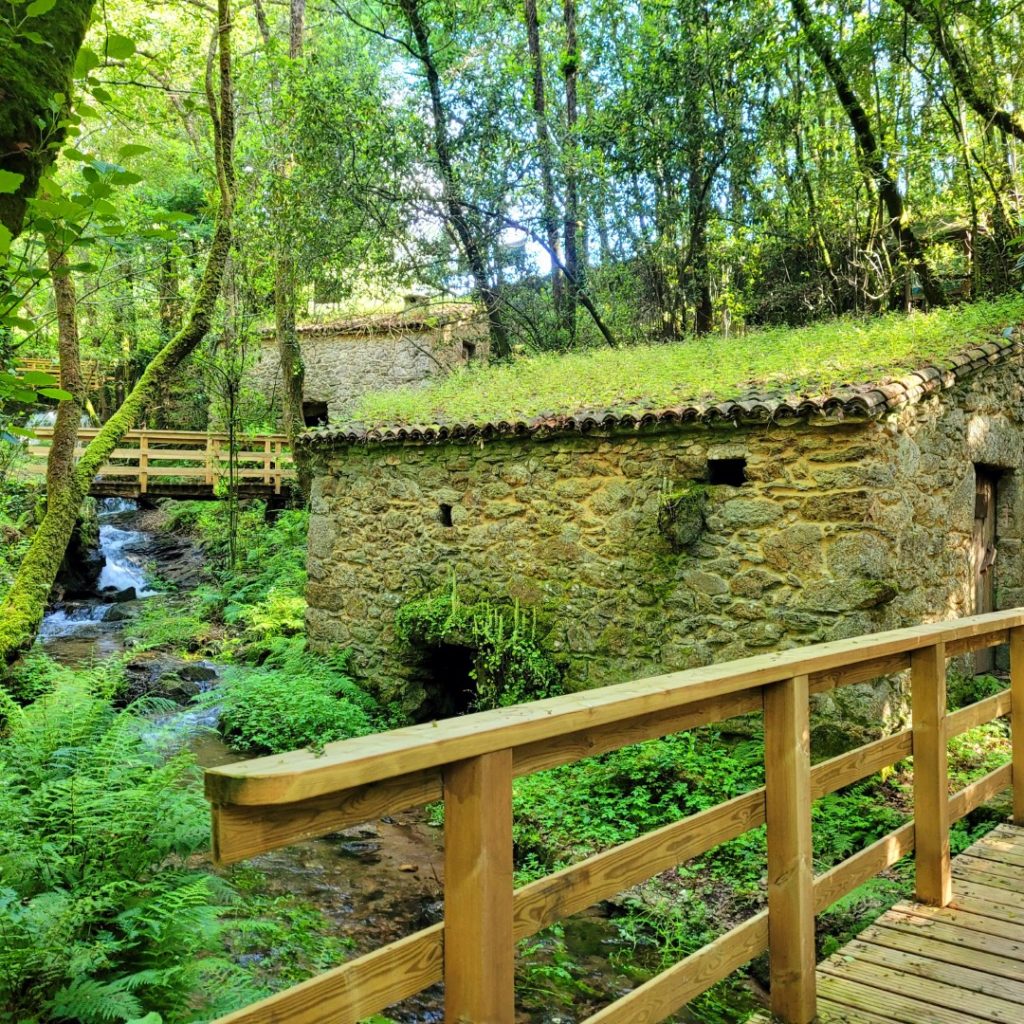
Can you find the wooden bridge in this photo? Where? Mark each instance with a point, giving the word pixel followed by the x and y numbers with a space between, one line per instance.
pixel 180 464
pixel 94 374
pixel 470 762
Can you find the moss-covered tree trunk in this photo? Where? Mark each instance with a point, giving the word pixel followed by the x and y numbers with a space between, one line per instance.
pixel 31 73
pixel 22 608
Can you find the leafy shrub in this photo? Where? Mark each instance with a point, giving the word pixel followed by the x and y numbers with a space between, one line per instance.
pixel 509 664
pixel 293 700
pixel 264 594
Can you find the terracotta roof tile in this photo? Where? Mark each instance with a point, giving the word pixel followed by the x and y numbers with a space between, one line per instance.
pixel 869 400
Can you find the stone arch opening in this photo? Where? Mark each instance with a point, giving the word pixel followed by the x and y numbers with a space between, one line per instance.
pixel 446 674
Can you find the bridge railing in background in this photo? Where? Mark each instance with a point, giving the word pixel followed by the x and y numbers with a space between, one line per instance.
pixel 470 762
pixel 181 456
pixel 94 374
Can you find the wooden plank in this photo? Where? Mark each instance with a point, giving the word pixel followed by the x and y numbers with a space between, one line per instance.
pixel 1017 720
pixel 241 832
pixel 835 1013
pixel 246 832
pixel 859 995
pixel 862 866
pixel 970 931
pixel 991 901
pixel 479 952
pixel 914 942
pixel 981 791
pixel 931 802
pixel 1011 871
pixel 976 714
pixel 787 769
pixel 993 879
pixel 356 990
pixel 828 776
pixel 302 774
pixel 605 874
pixel 667 992
pixel 861 672
pixel 987 995
pixel 922 990
pixel 966 645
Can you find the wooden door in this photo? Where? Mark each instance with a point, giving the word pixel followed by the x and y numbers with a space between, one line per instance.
pixel 983 555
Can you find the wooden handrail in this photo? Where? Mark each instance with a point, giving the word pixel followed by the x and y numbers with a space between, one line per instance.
pixel 265 803
pixel 201 456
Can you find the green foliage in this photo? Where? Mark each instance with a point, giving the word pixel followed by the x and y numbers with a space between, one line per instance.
pixel 292 700
pixel 103 919
pixel 653 377
pixel 509 664
pixel 621 795
pixel 103 914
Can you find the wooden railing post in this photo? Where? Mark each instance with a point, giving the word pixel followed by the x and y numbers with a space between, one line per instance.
pixel 787 764
pixel 143 463
pixel 479 952
pixel 931 785
pixel 1017 720
pixel 267 459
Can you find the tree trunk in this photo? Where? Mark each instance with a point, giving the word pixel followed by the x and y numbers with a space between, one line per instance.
pixel 293 368
pixel 570 70
pixel 22 608
pixel 31 73
pixel 455 206
pixel 544 149
pixel 909 245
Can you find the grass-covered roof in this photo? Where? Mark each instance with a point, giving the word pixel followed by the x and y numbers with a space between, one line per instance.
pixel 785 364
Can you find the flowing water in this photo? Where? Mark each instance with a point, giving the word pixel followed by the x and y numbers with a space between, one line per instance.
pixel 376 882
pixel 77 632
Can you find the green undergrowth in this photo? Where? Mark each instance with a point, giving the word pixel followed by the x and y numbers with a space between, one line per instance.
pixel 630 379
pixel 274 695
pixel 107 910
pixel 292 700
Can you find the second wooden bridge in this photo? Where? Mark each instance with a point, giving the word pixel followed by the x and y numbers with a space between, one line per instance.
pixel 187 464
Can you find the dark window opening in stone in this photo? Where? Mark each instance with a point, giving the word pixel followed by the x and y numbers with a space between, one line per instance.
pixel 444 514
pixel 732 472
pixel 468 351
pixel 448 683
pixel 314 414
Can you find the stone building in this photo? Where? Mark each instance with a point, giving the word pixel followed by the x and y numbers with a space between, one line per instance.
pixel 346 359
pixel 688 535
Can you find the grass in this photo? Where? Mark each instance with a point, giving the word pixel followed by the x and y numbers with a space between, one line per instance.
pixel 812 359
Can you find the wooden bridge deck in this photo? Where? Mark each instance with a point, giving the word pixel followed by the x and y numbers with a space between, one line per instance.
pixel 961 964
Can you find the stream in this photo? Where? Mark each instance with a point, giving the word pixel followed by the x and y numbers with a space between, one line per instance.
pixel 376 882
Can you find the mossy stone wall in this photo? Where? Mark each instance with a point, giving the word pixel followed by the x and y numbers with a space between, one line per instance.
pixel 341 368
pixel 840 529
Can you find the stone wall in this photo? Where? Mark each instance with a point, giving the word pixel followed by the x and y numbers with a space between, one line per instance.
pixel 340 368
pixel 840 529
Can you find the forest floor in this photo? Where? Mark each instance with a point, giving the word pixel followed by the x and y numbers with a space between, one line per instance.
pixel 226 645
